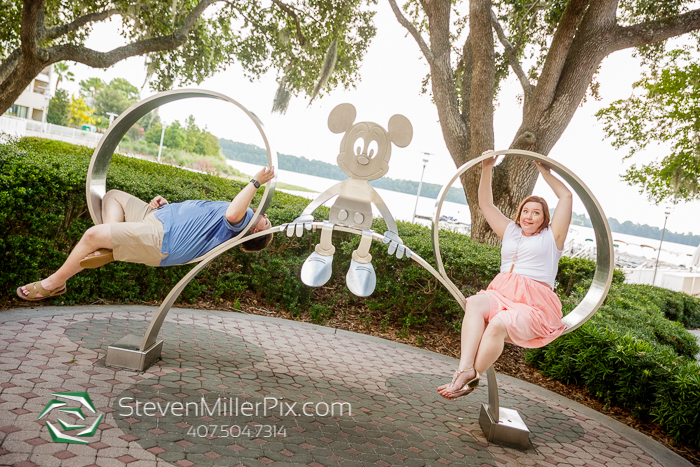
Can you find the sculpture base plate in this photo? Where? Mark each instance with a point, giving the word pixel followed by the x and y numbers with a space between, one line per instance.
pixel 508 430
pixel 125 353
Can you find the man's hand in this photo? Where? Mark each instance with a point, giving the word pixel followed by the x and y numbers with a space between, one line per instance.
pixel 157 202
pixel 265 175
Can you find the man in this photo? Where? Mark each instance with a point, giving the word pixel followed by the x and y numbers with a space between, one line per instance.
pixel 156 234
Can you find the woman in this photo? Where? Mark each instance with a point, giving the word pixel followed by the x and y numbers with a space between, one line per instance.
pixel 520 305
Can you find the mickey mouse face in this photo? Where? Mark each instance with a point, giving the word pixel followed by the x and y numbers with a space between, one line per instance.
pixel 366 147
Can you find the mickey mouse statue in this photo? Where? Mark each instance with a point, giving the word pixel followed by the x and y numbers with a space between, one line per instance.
pixel 364 155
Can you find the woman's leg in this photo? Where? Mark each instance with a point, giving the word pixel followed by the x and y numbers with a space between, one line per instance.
pixel 96 237
pixel 491 346
pixel 476 312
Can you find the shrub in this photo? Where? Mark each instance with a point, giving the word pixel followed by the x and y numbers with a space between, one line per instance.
pixel 629 354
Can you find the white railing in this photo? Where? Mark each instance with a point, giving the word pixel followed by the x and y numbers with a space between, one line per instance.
pixel 13 126
pixel 58 130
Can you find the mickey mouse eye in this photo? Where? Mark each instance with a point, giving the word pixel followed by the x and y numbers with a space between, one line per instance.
pixel 372 149
pixel 359 146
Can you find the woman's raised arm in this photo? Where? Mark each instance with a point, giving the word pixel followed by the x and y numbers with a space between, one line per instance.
pixel 562 213
pixel 497 221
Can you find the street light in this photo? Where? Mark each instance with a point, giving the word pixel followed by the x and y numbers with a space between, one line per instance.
pixel 160 146
pixel 667 212
pixel 420 184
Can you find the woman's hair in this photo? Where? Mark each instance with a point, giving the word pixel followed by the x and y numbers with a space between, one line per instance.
pixel 545 211
pixel 256 244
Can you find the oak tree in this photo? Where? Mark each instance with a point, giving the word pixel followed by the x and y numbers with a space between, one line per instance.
pixel 553 47
pixel 187 40
pixel 665 109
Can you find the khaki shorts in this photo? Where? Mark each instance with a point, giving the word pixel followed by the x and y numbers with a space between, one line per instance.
pixel 140 238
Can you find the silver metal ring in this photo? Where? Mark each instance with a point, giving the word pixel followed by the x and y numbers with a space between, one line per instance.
pixel 96 184
pixel 605 254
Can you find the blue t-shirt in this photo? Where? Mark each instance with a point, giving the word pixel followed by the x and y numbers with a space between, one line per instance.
pixel 192 228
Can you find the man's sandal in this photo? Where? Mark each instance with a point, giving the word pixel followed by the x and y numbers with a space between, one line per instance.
pixel 94 260
pixel 35 289
pixel 467 388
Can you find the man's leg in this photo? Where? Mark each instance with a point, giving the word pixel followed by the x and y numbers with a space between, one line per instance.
pixel 96 237
pixel 114 206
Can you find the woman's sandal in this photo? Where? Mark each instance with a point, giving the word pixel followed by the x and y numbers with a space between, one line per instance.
pixel 93 261
pixel 467 388
pixel 35 289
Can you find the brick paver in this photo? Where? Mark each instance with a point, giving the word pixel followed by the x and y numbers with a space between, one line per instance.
pixel 236 391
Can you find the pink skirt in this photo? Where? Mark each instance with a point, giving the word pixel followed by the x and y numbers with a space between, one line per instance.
pixel 530 310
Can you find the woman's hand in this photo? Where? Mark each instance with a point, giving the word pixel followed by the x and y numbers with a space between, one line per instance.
pixel 157 202
pixel 265 175
pixel 542 168
pixel 488 163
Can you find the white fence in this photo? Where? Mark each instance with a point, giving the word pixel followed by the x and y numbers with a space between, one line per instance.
pixel 22 127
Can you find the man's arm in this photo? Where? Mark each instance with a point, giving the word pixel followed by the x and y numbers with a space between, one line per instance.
pixel 238 207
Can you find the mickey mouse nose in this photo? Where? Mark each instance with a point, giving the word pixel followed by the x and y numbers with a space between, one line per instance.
pixel 364 160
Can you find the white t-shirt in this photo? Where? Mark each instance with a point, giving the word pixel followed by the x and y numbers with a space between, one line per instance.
pixel 538 255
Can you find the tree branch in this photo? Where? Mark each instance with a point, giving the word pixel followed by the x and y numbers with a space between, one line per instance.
pixel 290 12
pixel 558 53
pixel 512 57
pixel 10 64
pixel 655 31
pixel 96 59
pixel 32 12
pixel 59 31
pixel 413 31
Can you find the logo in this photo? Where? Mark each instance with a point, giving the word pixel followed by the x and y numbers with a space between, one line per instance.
pixel 87 431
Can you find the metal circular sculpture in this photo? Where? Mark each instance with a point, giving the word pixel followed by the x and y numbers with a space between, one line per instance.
pixel 605 254
pixel 131 346
pixel 96 185
pixel 504 425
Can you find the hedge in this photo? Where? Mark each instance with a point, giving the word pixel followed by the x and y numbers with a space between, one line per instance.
pixel 633 352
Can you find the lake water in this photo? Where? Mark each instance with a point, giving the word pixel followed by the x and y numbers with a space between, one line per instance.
pixel 402 206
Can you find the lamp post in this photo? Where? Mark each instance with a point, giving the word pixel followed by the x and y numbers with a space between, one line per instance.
pixel 420 184
pixel 667 212
pixel 160 146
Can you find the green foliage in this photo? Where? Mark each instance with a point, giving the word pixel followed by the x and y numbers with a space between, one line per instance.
pixel 254 155
pixel 320 313
pixel 259 37
pixel 664 110
pixel 58 112
pixel 630 354
pixel 573 272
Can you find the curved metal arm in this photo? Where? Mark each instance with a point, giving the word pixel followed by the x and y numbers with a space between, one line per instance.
pixel 320 199
pixel 605 254
pixel 386 214
pixel 157 321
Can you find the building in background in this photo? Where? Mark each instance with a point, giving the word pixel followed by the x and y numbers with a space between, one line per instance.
pixel 33 103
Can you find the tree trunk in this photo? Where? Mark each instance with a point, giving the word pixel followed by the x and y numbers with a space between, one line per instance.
pixel 18 80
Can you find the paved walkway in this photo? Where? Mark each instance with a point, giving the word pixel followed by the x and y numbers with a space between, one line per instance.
pixel 274 392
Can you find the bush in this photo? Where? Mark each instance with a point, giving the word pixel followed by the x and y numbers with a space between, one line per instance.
pixel 629 354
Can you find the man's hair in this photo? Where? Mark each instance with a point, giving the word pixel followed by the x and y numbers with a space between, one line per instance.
pixel 256 244
pixel 545 211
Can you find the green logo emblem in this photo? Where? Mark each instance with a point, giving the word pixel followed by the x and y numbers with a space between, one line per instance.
pixel 87 431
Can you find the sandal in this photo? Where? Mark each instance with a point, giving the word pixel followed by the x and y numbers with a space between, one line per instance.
pixel 93 261
pixel 467 388
pixel 35 289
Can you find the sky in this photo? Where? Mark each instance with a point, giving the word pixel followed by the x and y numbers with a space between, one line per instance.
pixel 391 76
